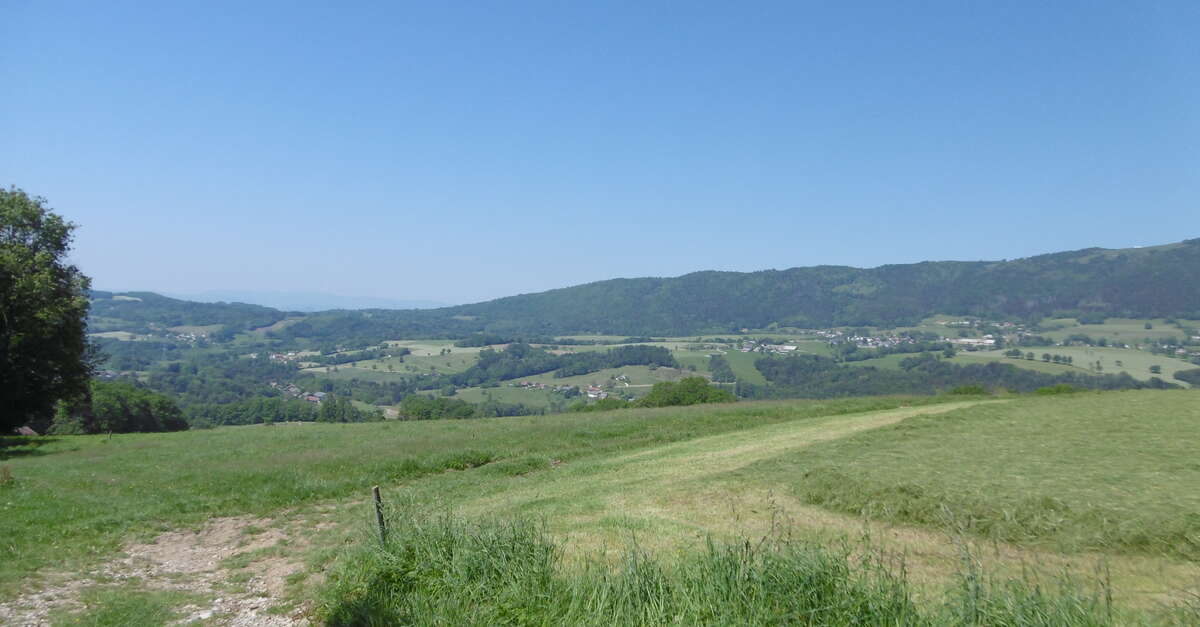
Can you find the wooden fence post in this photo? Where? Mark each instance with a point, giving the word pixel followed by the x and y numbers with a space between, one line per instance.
pixel 379 515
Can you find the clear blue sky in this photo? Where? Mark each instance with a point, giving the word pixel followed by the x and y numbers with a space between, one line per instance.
pixel 470 150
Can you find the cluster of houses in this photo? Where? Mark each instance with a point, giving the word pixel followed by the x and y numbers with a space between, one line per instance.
pixel 882 341
pixel 986 341
pixel 596 392
pixel 535 385
pixel 292 390
pixel 288 356
pixel 187 337
pixel 782 349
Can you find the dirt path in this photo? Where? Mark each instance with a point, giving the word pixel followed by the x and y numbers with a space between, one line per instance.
pixel 235 568
pixel 652 469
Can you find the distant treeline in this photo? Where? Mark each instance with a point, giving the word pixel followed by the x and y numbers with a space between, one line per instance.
pixel 1191 376
pixel 522 360
pixel 490 339
pixel 688 391
pixel 421 407
pixel 219 378
pixel 720 369
pixel 123 356
pixel 347 357
pixel 277 409
pixel 139 312
pixel 812 376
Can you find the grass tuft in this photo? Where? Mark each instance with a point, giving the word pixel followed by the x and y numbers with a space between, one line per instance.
pixel 443 570
pixel 120 606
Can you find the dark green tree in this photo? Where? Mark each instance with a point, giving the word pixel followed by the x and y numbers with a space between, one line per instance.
pixel 44 353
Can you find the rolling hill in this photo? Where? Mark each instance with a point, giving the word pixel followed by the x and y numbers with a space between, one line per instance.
pixel 1157 281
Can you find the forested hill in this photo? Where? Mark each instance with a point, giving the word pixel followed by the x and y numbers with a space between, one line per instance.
pixel 1156 281
pixel 143 311
pixel 1138 282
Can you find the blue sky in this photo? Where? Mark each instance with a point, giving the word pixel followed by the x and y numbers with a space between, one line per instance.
pixel 464 151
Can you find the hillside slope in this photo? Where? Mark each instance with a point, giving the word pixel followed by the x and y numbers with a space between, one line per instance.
pixel 1158 281
pixel 1146 282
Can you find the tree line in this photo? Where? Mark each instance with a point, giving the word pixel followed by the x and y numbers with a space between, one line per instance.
pixel 522 360
pixel 813 376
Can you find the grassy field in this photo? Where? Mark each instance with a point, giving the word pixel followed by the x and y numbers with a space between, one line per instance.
pixel 982 357
pixel 1112 361
pixel 1109 472
pixel 1135 362
pixel 423 363
pixel 1123 330
pixel 892 362
pixel 743 368
pixel 124 336
pixel 1056 485
pixel 695 359
pixel 505 394
pixel 636 375
pixel 74 498
pixel 637 383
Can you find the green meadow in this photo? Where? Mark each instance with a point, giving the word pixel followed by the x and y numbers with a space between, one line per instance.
pixel 1078 509
pixel 1123 330
pixel 1134 362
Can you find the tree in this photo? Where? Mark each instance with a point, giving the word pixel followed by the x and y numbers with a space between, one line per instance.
pixel 688 391
pixel 120 408
pixel 44 353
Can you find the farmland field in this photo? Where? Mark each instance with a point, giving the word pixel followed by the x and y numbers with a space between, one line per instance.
pixel 1123 330
pixel 1054 483
pixel 1135 362
pixel 505 394
pixel 743 368
pixel 638 381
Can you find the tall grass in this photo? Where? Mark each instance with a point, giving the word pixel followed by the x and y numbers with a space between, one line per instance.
pixel 442 570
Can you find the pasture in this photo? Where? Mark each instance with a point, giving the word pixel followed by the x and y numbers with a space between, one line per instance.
pixel 1058 484
pixel 1119 330
pixel 743 368
pixel 1136 363
pixel 72 499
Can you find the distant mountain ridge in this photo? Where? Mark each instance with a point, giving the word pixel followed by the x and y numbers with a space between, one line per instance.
pixel 1159 281
pixel 305 301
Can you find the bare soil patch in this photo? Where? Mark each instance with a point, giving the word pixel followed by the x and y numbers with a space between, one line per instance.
pixel 257 553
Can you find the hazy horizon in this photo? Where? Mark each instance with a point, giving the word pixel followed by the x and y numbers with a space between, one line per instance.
pixel 321 301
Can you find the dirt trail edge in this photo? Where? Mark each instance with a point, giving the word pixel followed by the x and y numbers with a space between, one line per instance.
pixel 236 568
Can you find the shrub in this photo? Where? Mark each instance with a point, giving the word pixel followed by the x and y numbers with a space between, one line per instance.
pixel 969 390
pixel 689 391
pixel 1191 376
pixel 1061 388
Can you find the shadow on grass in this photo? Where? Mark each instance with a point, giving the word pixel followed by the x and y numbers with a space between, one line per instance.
pixel 23 446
